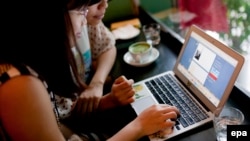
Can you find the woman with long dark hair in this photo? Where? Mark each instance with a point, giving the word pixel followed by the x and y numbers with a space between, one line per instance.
pixel 40 83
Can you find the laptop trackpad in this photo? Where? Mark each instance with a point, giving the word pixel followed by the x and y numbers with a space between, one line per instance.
pixel 143 104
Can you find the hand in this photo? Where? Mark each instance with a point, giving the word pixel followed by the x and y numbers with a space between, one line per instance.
pixel 89 99
pixel 122 92
pixel 156 118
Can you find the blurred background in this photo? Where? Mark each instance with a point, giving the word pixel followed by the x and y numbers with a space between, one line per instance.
pixel 226 20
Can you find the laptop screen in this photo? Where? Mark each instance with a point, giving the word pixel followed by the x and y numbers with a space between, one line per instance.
pixel 206 67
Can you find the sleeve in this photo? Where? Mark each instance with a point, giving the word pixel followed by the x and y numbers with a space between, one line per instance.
pixel 101 39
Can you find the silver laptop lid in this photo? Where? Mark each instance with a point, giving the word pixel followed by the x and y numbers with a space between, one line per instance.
pixel 208 67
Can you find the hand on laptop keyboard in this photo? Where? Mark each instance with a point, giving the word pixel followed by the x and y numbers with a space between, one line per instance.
pixel 157 118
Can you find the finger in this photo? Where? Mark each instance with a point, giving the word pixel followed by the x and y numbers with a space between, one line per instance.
pixel 130 93
pixel 168 126
pixel 131 99
pixel 128 100
pixel 97 103
pixel 120 79
pixel 131 81
pixel 167 108
pixel 123 79
pixel 171 115
pixel 169 123
pixel 126 84
pixel 126 94
pixel 166 131
pixel 90 105
pixel 84 105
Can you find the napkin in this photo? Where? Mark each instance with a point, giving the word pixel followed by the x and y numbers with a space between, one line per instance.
pixel 126 32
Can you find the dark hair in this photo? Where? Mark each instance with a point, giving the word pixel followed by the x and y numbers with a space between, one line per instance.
pixel 39 39
pixel 77 4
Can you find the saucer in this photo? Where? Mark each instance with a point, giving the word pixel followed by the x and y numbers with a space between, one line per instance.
pixel 129 60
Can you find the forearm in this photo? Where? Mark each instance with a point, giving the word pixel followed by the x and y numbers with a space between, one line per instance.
pixel 104 64
pixel 106 102
pixel 131 132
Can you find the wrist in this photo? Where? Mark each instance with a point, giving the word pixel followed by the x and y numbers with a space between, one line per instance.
pixel 107 102
pixel 137 128
pixel 96 84
pixel 131 129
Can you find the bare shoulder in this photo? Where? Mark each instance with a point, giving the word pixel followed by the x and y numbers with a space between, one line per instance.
pixel 21 89
pixel 24 102
pixel 22 82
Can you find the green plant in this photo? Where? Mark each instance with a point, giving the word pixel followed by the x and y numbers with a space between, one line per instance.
pixel 238 36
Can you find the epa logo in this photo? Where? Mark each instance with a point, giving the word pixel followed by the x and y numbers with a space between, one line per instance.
pixel 239 133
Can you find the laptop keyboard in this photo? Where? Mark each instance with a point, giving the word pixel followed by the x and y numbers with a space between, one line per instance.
pixel 167 91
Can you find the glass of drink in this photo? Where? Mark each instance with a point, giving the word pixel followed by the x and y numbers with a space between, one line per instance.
pixel 152 33
pixel 224 117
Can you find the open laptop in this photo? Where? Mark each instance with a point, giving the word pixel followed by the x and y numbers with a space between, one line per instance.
pixel 203 77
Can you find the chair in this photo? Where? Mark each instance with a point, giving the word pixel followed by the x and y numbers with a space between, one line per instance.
pixel 121 10
pixel 155 6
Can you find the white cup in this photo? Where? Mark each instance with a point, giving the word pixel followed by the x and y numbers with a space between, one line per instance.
pixel 140 51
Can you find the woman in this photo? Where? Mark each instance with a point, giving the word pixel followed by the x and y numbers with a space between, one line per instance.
pixel 98 51
pixel 39 73
pixel 103 49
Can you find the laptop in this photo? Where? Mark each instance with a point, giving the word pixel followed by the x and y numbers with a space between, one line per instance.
pixel 201 81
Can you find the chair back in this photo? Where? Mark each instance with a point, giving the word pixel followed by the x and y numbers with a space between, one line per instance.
pixel 121 10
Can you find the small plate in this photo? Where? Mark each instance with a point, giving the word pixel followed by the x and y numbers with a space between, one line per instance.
pixel 129 60
pixel 126 32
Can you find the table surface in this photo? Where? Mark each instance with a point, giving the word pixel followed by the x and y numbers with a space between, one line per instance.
pixel 169 48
